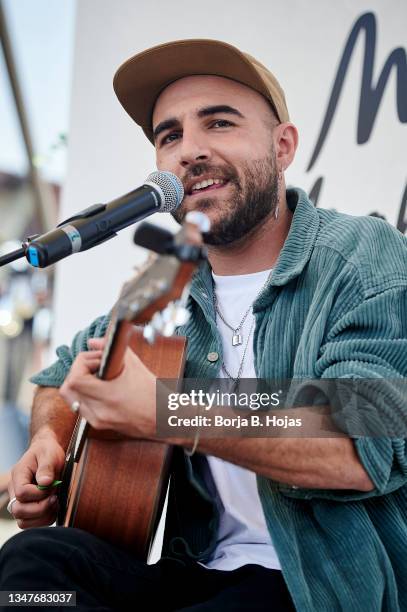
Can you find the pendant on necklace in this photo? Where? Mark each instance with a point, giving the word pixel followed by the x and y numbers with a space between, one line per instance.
pixel 237 339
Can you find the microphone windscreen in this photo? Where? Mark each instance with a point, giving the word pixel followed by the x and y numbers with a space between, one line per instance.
pixel 171 188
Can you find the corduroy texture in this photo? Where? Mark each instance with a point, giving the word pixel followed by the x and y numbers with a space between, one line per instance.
pixel 335 307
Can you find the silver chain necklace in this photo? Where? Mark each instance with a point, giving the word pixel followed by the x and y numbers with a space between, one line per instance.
pixel 237 337
pixel 239 373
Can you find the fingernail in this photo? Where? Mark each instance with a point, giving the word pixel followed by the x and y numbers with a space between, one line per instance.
pixel 45 480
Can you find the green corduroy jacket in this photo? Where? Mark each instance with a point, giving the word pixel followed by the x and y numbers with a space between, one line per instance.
pixel 335 307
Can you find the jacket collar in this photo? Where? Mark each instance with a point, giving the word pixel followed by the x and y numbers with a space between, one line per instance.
pixel 301 238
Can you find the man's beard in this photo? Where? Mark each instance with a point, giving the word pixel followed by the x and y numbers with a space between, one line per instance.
pixel 246 208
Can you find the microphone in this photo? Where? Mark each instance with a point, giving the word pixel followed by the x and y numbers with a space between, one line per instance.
pixel 161 192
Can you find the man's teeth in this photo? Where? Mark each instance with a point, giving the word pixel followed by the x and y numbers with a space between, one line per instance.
pixel 207 183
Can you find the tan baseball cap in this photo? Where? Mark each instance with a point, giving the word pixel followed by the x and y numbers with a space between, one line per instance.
pixel 140 80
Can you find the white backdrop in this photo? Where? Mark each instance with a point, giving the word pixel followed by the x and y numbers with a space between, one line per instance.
pixel 301 42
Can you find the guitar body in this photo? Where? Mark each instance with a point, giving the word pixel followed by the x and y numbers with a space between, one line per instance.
pixel 116 486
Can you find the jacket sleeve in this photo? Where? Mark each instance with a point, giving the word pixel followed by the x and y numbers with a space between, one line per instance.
pixel 55 374
pixel 370 342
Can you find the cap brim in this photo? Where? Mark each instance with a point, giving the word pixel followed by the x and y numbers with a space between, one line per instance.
pixel 140 80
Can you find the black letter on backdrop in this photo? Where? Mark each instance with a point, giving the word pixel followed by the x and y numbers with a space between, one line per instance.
pixel 370 95
pixel 402 219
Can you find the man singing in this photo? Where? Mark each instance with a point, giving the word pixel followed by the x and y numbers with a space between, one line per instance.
pixel 289 291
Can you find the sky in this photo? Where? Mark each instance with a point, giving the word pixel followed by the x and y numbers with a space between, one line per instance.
pixel 42 37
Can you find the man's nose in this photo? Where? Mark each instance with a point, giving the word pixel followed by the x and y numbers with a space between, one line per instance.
pixel 193 148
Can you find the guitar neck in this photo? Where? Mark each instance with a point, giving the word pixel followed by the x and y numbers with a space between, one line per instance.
pixel 118 337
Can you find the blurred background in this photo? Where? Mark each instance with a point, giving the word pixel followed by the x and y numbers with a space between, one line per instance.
pixel 66 143
pixel 37 40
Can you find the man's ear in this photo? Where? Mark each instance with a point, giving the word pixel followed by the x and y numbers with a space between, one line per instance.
pixel 286 142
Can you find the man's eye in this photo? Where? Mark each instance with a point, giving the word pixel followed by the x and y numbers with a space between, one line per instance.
pixel 169 138
pixel 221 123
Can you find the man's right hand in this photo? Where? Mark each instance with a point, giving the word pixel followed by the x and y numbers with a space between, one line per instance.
pixel 41 464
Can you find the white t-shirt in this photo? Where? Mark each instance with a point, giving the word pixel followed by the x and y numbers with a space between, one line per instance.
pixel 243 536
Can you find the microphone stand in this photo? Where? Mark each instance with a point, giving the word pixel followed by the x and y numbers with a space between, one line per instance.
pixel 18 254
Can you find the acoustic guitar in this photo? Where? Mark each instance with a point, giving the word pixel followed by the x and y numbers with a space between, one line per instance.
pixel 114 486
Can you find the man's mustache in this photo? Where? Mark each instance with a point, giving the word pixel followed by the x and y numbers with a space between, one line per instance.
pixel 226 173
